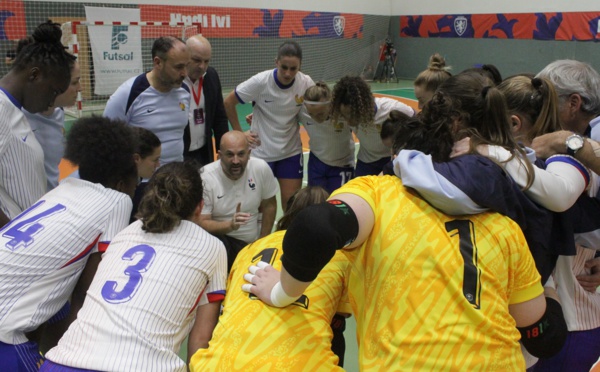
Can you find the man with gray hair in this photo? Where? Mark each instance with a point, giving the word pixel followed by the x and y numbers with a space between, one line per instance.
pixel 577 277
pixel 207 114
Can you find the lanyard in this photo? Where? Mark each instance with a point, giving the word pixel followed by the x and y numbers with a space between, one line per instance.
pixel 199 95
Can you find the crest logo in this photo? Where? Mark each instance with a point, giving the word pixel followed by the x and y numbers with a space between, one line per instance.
pixel 460 25
pixel 299 100
pixel 339 23
pixel 251 184
pixel 119 36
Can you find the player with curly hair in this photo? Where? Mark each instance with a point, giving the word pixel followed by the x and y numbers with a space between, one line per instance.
pixel 353 101
pixel 51 250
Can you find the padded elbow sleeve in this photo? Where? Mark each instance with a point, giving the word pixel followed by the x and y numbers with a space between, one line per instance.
pixel 546 337
pixel 313 237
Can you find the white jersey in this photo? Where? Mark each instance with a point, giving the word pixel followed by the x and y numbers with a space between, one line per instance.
pixel 142 301
pixel 165 114
pixel 275 111
pixel 22 175
pixel 221 194
pixel 44 250
pixel 371 148
pixel 50 133
pixel 331 143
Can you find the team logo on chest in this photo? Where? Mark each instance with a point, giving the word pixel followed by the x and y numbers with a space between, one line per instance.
pixel 251 184
pixel 299 100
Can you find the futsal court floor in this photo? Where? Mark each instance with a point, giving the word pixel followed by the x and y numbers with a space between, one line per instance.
pixel 402 91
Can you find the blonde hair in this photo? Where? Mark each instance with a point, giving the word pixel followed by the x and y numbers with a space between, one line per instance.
pixel 534 99
pixel 436 73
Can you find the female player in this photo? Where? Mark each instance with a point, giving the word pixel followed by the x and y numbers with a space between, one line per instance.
pixel 353 101
pixel 49 127
pixel 277 98
pixel 40 72
pixel 158 274
pixel 147 160
pixel 46 248
pixel 331 158
pixel 430 79
pixel 252 336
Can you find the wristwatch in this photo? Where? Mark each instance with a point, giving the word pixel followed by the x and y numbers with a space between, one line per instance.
pixel 574 143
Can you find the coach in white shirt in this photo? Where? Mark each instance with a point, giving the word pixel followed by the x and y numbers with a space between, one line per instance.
pixel 235 187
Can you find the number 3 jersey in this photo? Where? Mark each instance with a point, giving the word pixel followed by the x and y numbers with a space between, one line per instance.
pixel 44 250
pixel 142 301
pixel 431 292
pixel 252 336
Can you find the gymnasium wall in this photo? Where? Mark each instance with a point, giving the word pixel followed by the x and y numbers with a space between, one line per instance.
pixel 511 53
pixel 240 50
pixel 329 58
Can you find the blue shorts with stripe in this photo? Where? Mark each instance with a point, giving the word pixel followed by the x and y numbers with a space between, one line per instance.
pixel 291 168
pixel 328 177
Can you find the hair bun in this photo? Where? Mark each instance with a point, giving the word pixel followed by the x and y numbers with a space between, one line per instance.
pixel 47 32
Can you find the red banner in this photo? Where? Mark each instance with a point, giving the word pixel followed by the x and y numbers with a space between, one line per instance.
pixel 538 26
pixel 253 23
pixel 12 20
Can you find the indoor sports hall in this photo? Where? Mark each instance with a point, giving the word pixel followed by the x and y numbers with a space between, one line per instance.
pixel 386 42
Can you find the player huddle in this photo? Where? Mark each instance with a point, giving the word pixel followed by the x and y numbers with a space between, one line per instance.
pixel 454 254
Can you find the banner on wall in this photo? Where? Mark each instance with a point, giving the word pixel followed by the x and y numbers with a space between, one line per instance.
pixel 12 20
pixel 584 26
pixel 253 23
pixel 116 50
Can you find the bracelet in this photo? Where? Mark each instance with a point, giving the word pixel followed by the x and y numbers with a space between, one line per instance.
pixel 279 298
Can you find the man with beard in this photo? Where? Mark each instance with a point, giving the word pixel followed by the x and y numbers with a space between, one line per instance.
pixel 207 114
pixel 157 100
pixel 236 187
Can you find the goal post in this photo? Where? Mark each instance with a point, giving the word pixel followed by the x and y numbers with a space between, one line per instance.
pixel 109 64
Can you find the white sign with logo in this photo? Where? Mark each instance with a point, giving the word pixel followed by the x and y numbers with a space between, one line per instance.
pixel 116 50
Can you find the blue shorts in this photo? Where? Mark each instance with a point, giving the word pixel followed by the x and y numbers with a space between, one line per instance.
pixel 292 167
pixel 23 357
pixel 50 366
pixel 328 177
pixel 370 169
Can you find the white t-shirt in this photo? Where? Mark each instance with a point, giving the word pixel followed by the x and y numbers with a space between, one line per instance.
pixel 142 301
pixel 22 175
pixel 275 113
pixel 371 148
pixel 45 249
pixel 164 114
pixel 332 144
pixel 221 194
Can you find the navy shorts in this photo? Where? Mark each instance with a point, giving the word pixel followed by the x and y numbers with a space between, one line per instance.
pixel 370 169
pixel 292 167
pixel 23 357
pixel 328 177
pixel 50 366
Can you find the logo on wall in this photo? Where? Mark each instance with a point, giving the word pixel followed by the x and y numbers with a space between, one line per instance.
pixel 460 25
pixel 119 36
pixel 339 23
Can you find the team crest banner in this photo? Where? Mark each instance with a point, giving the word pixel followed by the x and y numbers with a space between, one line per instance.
pixel 256 23
pixel 583 26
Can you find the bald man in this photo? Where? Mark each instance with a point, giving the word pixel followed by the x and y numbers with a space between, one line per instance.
pixel 235 187
pixel 207 115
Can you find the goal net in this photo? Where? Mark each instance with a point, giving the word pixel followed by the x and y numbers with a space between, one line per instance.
pixel 244 40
